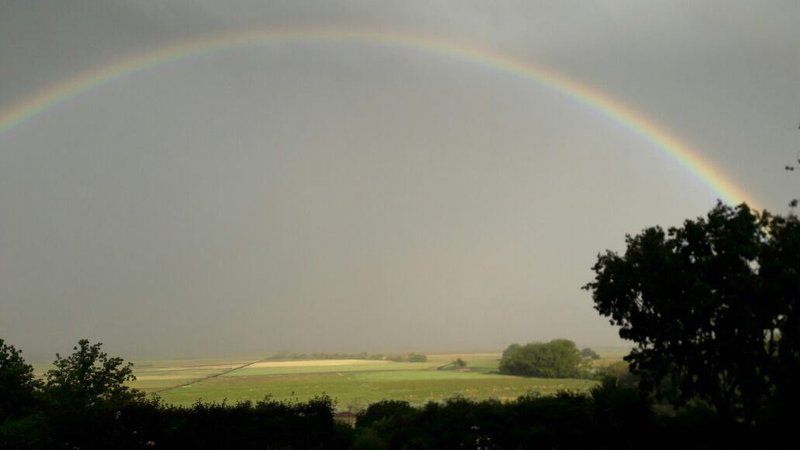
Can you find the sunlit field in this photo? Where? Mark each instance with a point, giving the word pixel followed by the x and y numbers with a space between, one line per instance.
pixel 352 383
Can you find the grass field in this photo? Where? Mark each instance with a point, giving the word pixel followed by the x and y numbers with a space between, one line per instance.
pixel 352 383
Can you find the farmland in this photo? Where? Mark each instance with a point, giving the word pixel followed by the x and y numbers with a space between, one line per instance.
pixel 352 383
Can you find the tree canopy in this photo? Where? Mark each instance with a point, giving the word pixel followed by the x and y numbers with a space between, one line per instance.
pixel 558 358
pixel 711 307
pixel 417 357
pixel 17 382
pixel 588 353
pixel 89 376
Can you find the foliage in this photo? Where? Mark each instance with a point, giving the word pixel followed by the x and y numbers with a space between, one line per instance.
pixel 558 358
pixel 618 407
pixel 368 439
pixel 17 383
pixel 410 357
pixel 88 377
pixel 417 357
pixel 612 416
pixel 86 404
pixel 382 410
pixel 712 307
pixel 588 353
pixel 620 372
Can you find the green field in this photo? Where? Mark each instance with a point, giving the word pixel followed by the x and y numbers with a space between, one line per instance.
pixel 353 384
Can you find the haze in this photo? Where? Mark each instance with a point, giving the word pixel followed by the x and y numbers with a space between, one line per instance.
pixel 325 196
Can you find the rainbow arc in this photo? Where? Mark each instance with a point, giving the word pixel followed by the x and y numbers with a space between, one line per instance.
pixel 634 121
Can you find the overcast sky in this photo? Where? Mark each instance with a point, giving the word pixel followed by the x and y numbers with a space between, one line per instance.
pixel 325 196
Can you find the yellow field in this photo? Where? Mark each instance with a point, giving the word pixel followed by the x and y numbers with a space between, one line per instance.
pixel 318 363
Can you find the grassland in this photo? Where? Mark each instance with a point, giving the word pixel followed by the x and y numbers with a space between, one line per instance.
pixel 352 383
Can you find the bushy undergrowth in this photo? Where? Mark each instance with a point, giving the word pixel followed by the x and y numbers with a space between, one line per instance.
pixel 149 424
pixel 84 403
pixel 611 416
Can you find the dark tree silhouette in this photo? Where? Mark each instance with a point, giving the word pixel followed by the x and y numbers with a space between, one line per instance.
pixel 17 382
pixel 89 376
pixel 711 307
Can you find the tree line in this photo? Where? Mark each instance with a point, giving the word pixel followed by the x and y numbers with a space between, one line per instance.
pixel 83 403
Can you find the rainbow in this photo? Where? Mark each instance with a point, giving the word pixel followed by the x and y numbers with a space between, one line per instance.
pixel 634 121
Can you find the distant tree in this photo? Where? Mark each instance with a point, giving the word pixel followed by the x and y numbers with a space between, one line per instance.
pixel 18 385
pixel 417 357
pixel 89 376
pixel 558 358
pixel 589 353
pixel 712 307
pixel 459 363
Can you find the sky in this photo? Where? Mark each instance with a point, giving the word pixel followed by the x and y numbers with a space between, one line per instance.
pixel 328 195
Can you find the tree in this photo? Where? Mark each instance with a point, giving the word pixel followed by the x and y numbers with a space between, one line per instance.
pixel 588 353
pixel 417 357
pixel 558 358
pixel 89 377
pixel 18 385
pixel 711 306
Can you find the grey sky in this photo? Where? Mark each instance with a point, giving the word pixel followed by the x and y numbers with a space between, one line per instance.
pixel 349 197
